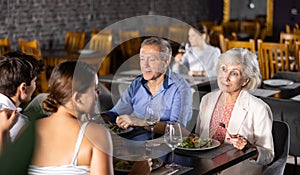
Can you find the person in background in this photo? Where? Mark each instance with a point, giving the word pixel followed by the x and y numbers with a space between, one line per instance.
pixel 157 85
pixel 247 118
pixel 64 143
pixel 18 74
pixel 200 58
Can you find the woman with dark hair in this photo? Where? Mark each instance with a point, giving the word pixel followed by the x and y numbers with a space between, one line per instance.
pixel 201 58
pixel 64 143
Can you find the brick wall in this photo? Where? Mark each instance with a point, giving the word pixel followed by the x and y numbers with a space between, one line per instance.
pixel 47 20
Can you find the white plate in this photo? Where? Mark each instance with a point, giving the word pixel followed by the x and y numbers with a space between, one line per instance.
pixel 215 143
pixel 155 166
pixel 86 51
pixel 278 82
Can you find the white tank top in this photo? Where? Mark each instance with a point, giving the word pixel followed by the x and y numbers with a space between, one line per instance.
pixel 72 168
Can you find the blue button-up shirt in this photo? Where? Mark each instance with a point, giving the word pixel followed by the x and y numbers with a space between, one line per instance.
pixel 173 99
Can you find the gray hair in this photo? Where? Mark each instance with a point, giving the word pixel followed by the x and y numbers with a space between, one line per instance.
pixel 249 63
pixel 164 47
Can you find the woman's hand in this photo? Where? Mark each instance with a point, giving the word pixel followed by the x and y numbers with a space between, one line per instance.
pixel 7 119
pixel 239 142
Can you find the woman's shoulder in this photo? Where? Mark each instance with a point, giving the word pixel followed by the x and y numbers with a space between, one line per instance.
pixel 255 101
pixel 213 49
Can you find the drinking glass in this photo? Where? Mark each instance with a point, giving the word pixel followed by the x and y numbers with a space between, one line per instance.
pixel 152 117
pixel 173 137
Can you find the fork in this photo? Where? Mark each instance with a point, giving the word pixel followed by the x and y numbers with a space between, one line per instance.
pixel 224 126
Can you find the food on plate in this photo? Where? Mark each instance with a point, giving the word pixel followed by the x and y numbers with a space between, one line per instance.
pixel 114 128
pixel 195 142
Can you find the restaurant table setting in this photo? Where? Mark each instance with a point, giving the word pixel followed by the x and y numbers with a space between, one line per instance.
pixel 277 88
pixel 210 160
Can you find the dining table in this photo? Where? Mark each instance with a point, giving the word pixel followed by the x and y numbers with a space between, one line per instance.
pixel 278 88
pixel 124 78
pixel 204 161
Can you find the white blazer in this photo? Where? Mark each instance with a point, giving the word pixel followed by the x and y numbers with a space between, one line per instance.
pixel 251 118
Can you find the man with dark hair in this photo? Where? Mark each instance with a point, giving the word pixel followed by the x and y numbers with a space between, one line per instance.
pixel 18 74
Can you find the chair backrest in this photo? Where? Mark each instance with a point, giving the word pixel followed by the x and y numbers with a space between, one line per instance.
pixel 250 27
pixel 74 41
pixel 154 30
pixel 291 115
pixel 275 105
pixel 229 27
pixel 281 139
pixel 297 57
pixel 130 43
pixel 33 48
pixel 291 39
pixel 4 46
pixel 30 48
pixel 102 42
pixel 177 33
pixel 250 45
pixel 272 58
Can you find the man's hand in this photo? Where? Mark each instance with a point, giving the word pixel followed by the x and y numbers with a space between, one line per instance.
pixel 124 121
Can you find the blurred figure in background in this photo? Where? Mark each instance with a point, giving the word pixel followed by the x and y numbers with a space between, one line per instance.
pixel 200 58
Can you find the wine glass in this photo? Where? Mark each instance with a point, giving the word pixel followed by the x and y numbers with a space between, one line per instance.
pixel 173 137
pixel 152 117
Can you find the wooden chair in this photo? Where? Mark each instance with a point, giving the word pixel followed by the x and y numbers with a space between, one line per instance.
pixel 130 43
pixel 272 57
pixel 291 39
pixel 33 48
pixel 250 45
pixel 297 57
pixel 287 28
pixel 209 24
pixel 250 27
pixel 177 33
pixel 154 30
pixel 229 27
pixel 74 41
pixel 30 48
pixel 102 42
pixel 4 46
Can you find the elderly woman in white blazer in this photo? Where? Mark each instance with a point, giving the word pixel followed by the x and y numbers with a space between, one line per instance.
pixel 246 117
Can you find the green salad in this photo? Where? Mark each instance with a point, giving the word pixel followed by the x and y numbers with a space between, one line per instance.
pixel 195 142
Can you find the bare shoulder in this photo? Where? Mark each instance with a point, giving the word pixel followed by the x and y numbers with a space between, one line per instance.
pixel 99 136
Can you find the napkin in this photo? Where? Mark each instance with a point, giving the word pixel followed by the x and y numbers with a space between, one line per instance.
pixel 263 92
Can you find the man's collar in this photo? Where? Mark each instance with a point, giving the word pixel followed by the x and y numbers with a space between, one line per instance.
pixel 6 102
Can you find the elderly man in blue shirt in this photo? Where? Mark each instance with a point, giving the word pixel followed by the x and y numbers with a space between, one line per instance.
pixel 157 85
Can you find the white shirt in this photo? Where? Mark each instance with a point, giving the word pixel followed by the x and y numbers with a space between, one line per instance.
pixel 6 103
pixel 202 60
